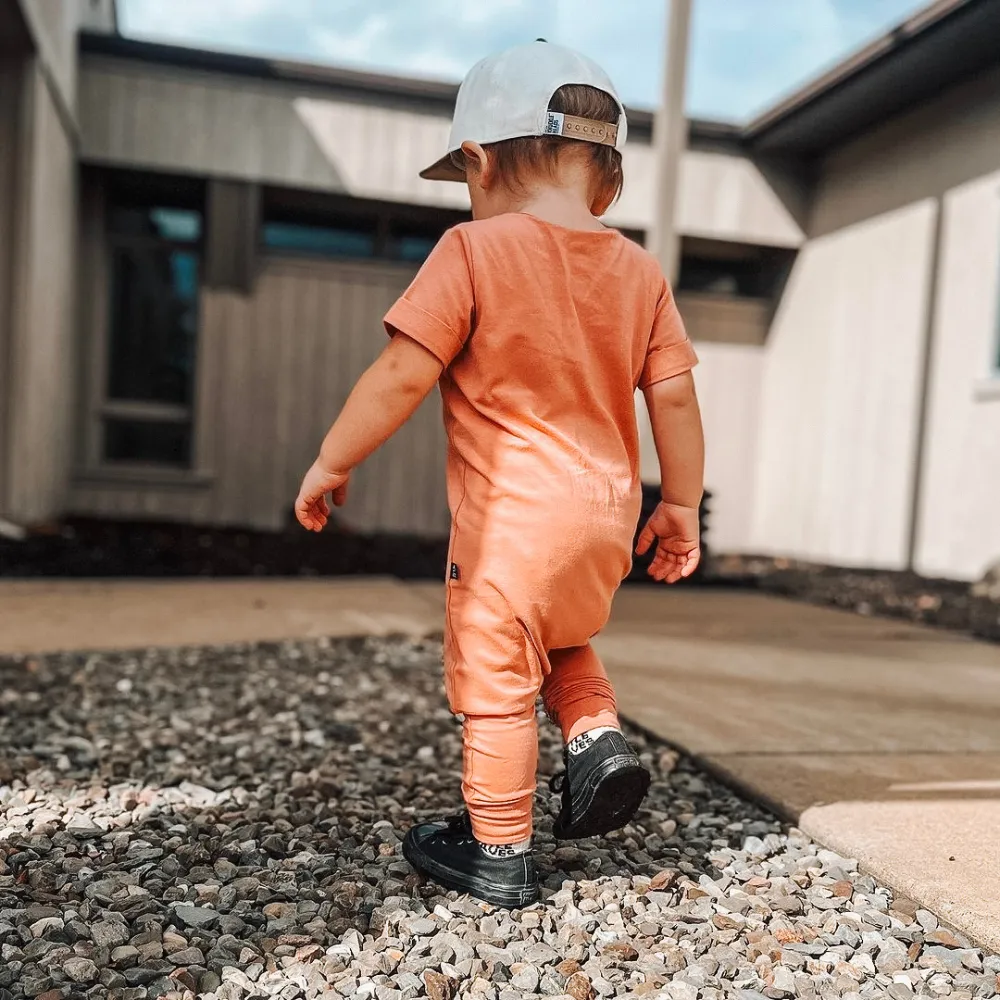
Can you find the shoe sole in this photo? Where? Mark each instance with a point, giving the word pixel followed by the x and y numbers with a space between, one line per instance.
pixel 490 892
pixel 611 798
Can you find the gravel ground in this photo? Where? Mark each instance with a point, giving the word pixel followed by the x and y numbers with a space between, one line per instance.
pixel 225 823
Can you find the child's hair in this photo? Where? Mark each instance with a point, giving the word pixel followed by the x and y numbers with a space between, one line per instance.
pixel 517 159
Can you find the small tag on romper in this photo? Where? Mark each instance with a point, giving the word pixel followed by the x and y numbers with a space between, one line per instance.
pixel 455 574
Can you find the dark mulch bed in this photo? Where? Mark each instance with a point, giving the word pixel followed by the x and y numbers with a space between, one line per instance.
pixel 93 548
pixel 82 547
pixel 941 603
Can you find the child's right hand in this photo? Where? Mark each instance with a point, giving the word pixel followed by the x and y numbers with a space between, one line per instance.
pixel 311 507
pixel 678 550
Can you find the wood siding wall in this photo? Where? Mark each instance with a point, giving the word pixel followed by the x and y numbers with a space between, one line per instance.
pixel 11 69
pixel 273 370
pixel 724 319
pixel 40 356
pixel 54 24
pixel 152 117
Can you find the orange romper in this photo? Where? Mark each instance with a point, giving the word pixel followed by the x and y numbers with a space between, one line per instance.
pixel 545 333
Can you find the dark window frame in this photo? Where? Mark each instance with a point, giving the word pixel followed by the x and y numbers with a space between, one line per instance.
pixel 387 223
pixel 119 409
pixel 759 271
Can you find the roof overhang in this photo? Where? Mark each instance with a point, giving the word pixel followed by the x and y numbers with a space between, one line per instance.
pixel 943 44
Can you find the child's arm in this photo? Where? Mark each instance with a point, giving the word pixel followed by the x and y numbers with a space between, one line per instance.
pixel 385 397
pixel 680 447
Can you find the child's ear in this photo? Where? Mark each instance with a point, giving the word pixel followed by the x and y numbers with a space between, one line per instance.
pixel 477 164
pixel 602 201
pixel 600 205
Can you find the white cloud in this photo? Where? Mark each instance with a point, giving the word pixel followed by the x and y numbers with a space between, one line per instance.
pixel 352 46
pixel 178 19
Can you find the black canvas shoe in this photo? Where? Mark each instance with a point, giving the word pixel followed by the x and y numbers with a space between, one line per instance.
pixel 448 853
pixel 602 788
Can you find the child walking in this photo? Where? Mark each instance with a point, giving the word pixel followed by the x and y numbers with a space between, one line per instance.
pixel 539 323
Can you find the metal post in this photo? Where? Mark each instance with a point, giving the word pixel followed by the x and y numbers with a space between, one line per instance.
pixel 670 138
pixel 670 134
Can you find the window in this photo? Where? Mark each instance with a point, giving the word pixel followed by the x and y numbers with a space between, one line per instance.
pixel 411 248
pixel 413 239
pixel 155 278
pixel 318 241
pixel 732 270
pixel 310 224
pixel 720 277
pixel 147 441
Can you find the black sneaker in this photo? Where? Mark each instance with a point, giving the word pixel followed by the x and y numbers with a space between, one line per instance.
pixel 448 853
pixel 602 788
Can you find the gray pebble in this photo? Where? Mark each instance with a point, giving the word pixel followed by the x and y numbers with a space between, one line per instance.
pixel 81 970
pixel 196 916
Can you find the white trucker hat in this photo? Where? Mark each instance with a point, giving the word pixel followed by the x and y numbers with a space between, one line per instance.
pixel 506 96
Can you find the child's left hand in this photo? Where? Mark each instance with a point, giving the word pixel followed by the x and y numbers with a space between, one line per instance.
pixel 311 507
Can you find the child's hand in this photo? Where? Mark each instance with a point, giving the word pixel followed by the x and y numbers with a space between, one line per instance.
pixel 678 551
pixel 311 507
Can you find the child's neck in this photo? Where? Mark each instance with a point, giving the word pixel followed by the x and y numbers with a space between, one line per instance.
pixel 565 206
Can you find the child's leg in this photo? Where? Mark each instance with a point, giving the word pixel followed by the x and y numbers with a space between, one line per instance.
pixel 577 693
pixel 493 676
pixel 604 782
pixel 498 777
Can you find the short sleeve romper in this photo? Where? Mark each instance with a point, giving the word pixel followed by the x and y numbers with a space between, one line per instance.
pixel 545 333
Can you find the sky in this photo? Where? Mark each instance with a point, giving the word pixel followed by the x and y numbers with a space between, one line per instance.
pixel 745 54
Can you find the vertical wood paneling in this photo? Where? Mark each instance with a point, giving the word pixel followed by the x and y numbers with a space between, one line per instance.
pixel 55 25
pixel 232 217
pixel 274 369
pixel 291 371
pixel 92 311
pixel 366 340
pixel 10 105
pixel 41 356
pixel 95 108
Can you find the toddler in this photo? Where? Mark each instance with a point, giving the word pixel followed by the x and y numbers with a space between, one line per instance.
pixel 539 323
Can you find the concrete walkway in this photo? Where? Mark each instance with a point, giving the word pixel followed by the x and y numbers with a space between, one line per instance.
pixel 55 615
pixel 882 740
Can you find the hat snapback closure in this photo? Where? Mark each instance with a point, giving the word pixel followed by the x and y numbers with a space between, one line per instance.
pixel 574 127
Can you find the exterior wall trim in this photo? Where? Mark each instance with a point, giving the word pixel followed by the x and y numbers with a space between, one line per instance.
pixel 67 114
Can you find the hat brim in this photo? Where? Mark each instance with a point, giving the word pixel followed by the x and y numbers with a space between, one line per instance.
pixel 443 170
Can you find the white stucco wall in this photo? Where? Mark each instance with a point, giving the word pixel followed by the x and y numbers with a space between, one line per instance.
pixel 840 395
pixel 959 515
pixel 728 379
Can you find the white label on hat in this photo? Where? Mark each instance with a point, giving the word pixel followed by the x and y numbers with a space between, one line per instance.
pixel 554 121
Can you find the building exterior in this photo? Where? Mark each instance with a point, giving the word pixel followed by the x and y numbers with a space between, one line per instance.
pixel 198 249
